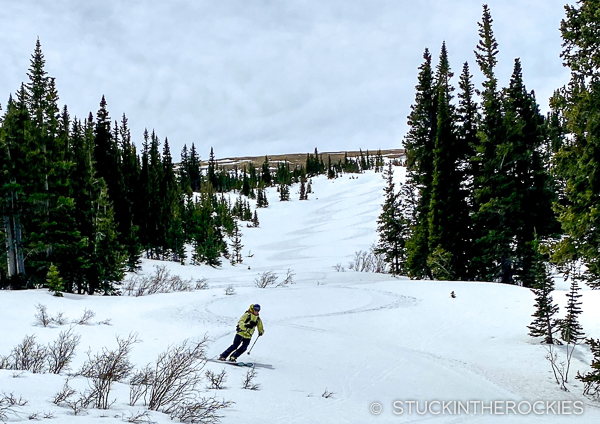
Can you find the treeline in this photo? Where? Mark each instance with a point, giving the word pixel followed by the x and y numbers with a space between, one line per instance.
pixel 495 190
pixel 76 195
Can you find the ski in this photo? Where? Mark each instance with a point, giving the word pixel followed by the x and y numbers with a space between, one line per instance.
pixel 243 364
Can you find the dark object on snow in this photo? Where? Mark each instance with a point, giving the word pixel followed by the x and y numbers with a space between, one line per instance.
pixel 452 295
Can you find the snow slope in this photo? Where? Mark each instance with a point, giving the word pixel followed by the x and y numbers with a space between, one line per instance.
pixel 371 339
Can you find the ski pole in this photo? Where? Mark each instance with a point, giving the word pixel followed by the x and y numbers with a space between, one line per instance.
pixel 250 350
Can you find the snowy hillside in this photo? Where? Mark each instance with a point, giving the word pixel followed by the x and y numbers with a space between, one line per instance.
pixel 371 339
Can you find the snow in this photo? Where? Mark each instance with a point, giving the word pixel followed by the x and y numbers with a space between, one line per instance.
pixel 368 338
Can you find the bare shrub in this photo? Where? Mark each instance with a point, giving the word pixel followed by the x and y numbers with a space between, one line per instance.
pixel 558 368
pixel 140 384
pixel 108 367
pixel 85 318
pixel 177 375
pixel 138 417
pixel 216 381
pixel 60 318
pixel 202 284
pixel 266 279
pixel 161 281
pixel 204 410
pixel 289 278
pixel 41 316
pixel 28 356
pixel 8 402
pixel 248 380
pixel 364 261
pixel 229 291
pixel 64 394
pixel 61 352
pixel 327 394
pixel 81 403
pixel 339 268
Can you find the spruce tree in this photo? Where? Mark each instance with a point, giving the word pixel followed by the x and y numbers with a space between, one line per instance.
pixel 571 331
pixel 419 145
pixel 493 260
pixel 577 162
pixel 544 325
pixel 236 245
pixel 54 281
pixel 448 211
pixel 392 227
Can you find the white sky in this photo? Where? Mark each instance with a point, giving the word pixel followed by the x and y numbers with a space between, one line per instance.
pixel 266 76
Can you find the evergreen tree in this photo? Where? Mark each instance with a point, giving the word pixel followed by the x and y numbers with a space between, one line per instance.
pixel 544 325
pixel 284 192
pixel 420 145
pixel 236 246
pixel 448 209
pixel 392 227
pixel 493 261
pixel 303 194
pixel 577 163
pixel 15 124
pixel 54 281
pixel 571 331
pixel 255 222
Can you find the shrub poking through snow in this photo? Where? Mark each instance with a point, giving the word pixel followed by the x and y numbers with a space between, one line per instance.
pixel 106 368
pixel 61 352
pixel 203 410
pixel 216 380
pixel 41 316
pixel 368 262
pixel 161 281
pixel 27 356
pixel 85 318
pixel 266 279
pixel 176 375
pixel 248 380
pixel 8 402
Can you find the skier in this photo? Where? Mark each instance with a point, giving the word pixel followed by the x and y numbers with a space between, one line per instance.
pixel 244 331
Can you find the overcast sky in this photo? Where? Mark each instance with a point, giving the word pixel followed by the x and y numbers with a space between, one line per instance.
pixel 256 77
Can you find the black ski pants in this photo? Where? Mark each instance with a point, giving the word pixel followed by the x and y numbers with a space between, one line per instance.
pixel 240 341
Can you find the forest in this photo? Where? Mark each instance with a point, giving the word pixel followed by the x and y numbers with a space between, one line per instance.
pixel 80 203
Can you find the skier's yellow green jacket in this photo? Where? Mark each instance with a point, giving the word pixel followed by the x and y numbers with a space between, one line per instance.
pixel 248 322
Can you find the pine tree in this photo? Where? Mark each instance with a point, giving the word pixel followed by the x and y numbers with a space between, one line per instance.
pixel 255 222
pixel 448 211
pixel 303 194
pixel 284 192
pixel 420 145
pixel 544 325
pixel 571 331
pixel 577 163
pixel 236 245
pixel 261 199
pixel 392 227
pixel 493 261
pixel 54 281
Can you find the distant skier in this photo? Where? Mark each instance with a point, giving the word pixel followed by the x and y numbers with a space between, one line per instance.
pixel 244 331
